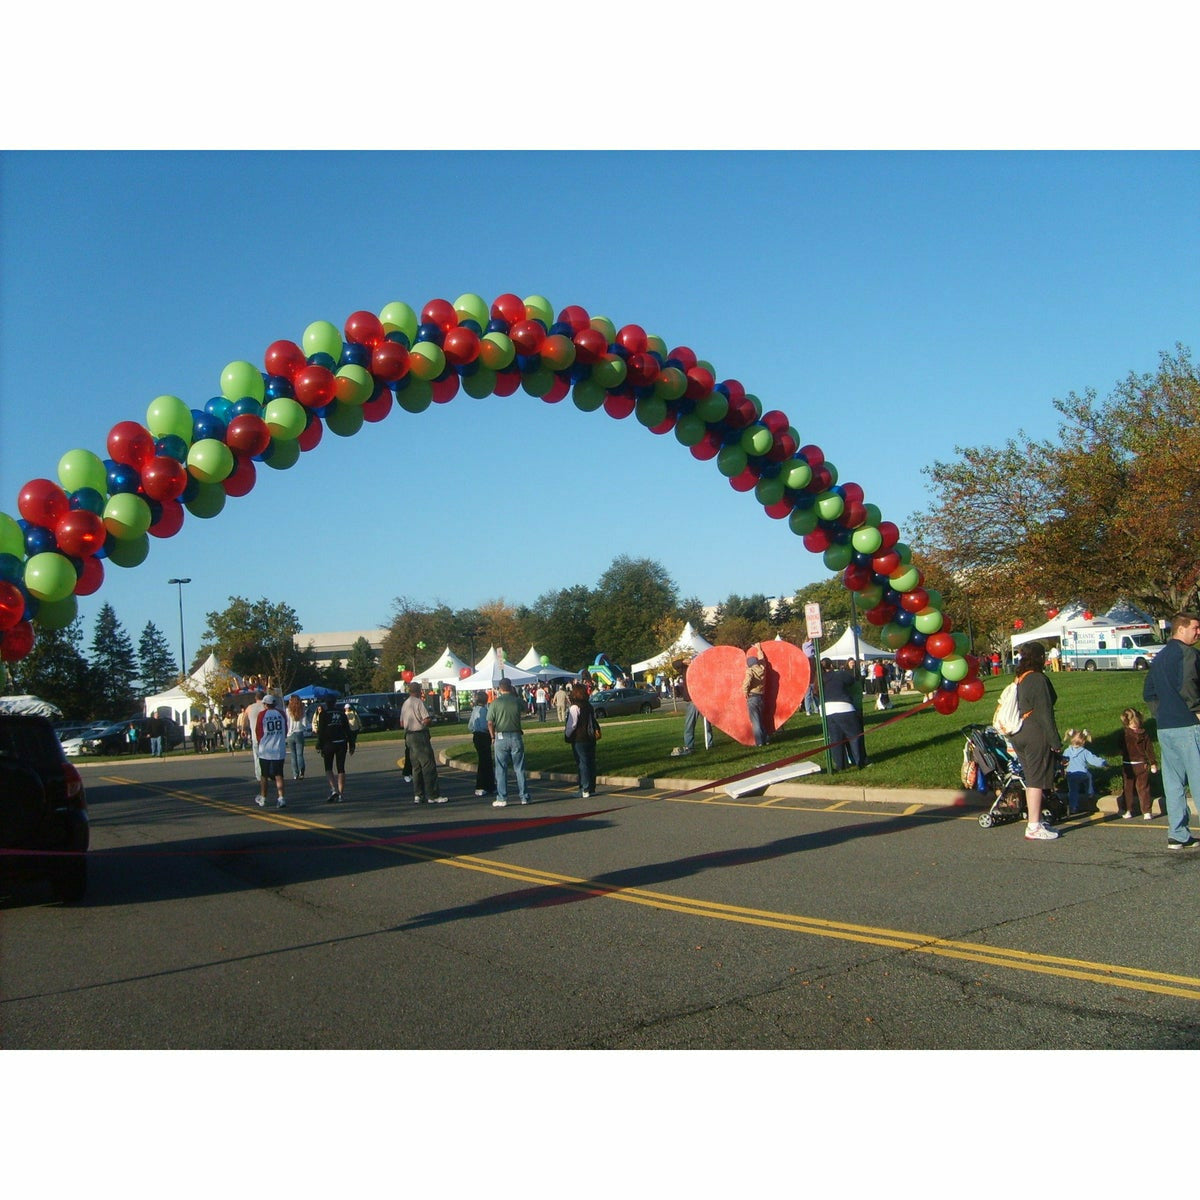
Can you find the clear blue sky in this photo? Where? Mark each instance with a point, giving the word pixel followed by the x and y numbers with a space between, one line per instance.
pixel 892 304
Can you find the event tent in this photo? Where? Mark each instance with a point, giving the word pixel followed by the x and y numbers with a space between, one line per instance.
pixel 533 662
pixel 447 668
pixel 1072 618
pixel 488 673
pixel 313 692
pixel 689 643
pixel 844 648
pixel 177 702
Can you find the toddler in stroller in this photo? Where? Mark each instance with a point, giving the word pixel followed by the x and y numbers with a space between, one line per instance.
pixel 990 765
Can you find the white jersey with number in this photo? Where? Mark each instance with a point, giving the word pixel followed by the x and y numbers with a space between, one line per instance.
pixel 271 734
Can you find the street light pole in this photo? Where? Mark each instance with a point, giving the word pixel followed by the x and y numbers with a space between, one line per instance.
pixel 182 655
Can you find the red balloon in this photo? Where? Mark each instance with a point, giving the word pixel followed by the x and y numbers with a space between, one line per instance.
pixel 641 369
pixel 855 578
pixel 43 502
pixel 709 446
pixel 779 510
pixel 460 346
pixel 912 601
pixel 311 437
pixel 632 338
pixel 822 479
pixel 12 604
pixel 464 672
pixel 92 576
pixel 945 702
pixel 737 394
pixel 284 358
pixel 909 657
pixel 240 481
pixel 1051 613
pixel 885 562
pixel 971 689
pixel 130 444
pixel 776 421
pixel 619 405
pixel 507 382
pixel 16 642
pixel 407 676
pixel 939 644
pixel 816 542
pixel 1087 614
pixel 247 435
pixel 740 414
pixel 576 317
pixel 853 515
pixel 890 533
pixel 590 346
pixel 783 448
pixel 80 532
pixel 527 336
pixel 164 478
pixel 813 455
pixel 364 329
pixel 170 520
pixel 508 308
pixel 389 361
pixel 684 356
pixel 558 390
pixel 440 313
pixel 700 383
pixel 881 614
pixel 444 390
pixel 746 481
pixel 378 407
pixel 852 493
pixel 315 386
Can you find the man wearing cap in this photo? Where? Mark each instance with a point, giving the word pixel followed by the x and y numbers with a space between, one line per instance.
pixel 270 740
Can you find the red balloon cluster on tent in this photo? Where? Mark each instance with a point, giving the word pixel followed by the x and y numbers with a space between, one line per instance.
pixel 186 462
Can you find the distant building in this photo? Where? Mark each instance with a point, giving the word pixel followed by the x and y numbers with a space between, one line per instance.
pixel 328 646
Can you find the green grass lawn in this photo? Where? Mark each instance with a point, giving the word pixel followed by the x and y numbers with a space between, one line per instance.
pixel 923 750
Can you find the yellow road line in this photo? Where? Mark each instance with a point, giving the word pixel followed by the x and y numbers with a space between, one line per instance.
pixel 1109 974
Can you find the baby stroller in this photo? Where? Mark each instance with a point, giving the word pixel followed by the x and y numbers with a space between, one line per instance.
pixel 991 767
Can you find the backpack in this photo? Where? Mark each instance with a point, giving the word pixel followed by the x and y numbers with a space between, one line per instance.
pixel 1007 718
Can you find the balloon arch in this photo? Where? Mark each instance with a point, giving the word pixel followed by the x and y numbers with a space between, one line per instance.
pixel 189 461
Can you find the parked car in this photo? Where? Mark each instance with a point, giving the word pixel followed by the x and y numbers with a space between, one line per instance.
pixel 371 720
pixel 42 807
pixel 620 702
pixel 113 738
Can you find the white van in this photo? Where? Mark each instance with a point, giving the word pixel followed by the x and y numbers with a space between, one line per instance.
pixel 1109 647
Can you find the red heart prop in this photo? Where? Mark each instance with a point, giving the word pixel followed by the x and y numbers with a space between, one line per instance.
pixel 714 682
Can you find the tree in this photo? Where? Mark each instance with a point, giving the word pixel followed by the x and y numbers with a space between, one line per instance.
pixel 255 639
pixel 560 624
pixel 360 666
pixel 834 600
pixel 156 665
pixel 692 609
pixel 411 625
pixel 629 600
pixel 113 666
pixel 56 670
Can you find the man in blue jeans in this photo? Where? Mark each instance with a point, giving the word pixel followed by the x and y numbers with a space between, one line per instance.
pixel 1172 691
pixel 504 724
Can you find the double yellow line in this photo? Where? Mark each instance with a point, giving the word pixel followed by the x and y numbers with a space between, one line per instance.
pixel 1185 987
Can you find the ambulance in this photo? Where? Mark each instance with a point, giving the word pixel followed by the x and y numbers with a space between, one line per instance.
pixel 1108 647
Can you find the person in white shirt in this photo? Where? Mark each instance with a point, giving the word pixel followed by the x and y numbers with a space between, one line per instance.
pixel 270 739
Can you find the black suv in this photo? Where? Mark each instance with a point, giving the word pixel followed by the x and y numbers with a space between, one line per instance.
pixel 42 807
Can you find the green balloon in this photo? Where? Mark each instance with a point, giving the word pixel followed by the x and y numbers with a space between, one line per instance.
pixel 670 384
pixel 285 418
pixel 415 398
pixel 906 580
pixel 769 491
pixel 713 407
pixel 655 345
pixel 893 636
pixel 471 307
pixel 954 666
pixel 871 595
pixel 830 506
pixel 962 643
pixel 704 365
pixel 588 395
pixel 904 553
pixel 757 404
pixel 934 598
pixel 12 540
pixel 426 361
pixel 606 327
pixel 802 521
pixel 928 620
pixel 81 468
pixel 538 381
pixel 208 501
pixel 731 461
pixel 610 371
pixel 540 309
pixel 210 461
pixel 480 385
pixel 756 439
pixel 650 411
pixel 396 317
pixel 359 384
pixel 129 552
pixel 284 454
pixel 833 473
pixel 344 419
pixel 126 516
pixel 797 475
pixel 866 539
pixel 496 350
pixel 690 430
pixel 874 516
pixel 240 379
pixel 57 614
pixel 168 416
pixel 926 681
pixel 837 557
pixel 50 576
pixel 322 337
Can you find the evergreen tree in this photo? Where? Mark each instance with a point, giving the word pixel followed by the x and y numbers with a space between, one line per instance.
pixel 156 664
pixel 113 665
pixel 360 666
pixel 56 670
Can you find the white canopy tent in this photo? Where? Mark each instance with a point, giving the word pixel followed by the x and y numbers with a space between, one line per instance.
pixel 446 669
pixel 1072 619
pixel 844 648
pixel 688 643
pixel 532 662
pixel 488 672
pixel 177 702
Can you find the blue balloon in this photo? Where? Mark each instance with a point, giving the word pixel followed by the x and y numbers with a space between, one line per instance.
pixel 38 540
pixel 401 338
pixel 172 446
pixel 247 404
pixel 190 489
pixel 321 359
pixel 355 355
pixel 220 407
pixel 561 327
pixel 12 569
pixel 473 326
pixel 87 499
pixel 123 479
pixel 497 325
pixel 205 426
pixel 279 388
pixel 429 332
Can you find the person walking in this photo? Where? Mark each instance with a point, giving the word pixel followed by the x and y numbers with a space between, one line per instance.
pixel 333 739
pixel 270 740
pixel 1138 765
pixel 415 720
pixel 1172 692
pixel 477 726
pixel 562 701
pixel 504 724
pixel 583 732
pixel 295 735
pixel 1037 743
pixel 252 712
